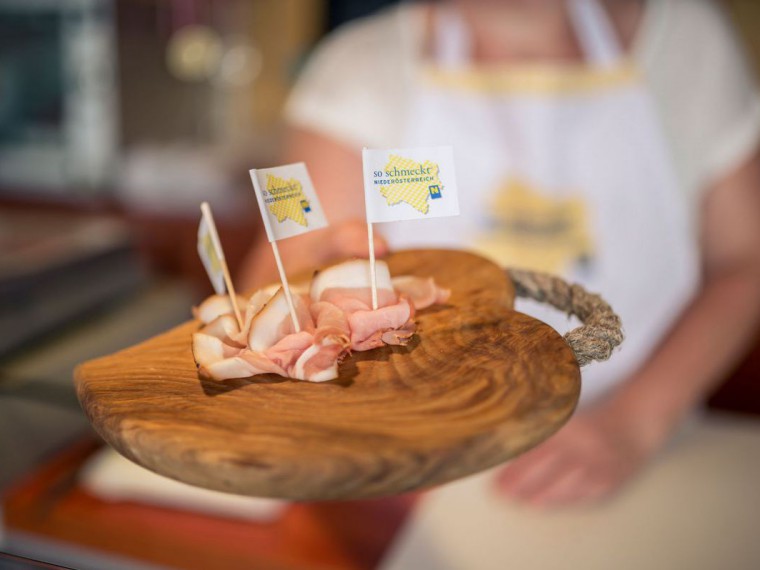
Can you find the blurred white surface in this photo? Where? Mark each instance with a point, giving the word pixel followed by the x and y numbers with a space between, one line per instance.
pixel 111 477
pixel 696 507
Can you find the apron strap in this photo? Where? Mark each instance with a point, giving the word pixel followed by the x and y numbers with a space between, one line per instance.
pixel 452 46
pixel 595 32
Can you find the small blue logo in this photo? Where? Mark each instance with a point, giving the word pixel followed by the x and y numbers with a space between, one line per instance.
pixel 435 191
pixel 305 206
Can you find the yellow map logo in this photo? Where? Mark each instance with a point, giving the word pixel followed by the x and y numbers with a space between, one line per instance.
pixel 208 248
pixel 412 182
pixel 537 231
pixel 285 199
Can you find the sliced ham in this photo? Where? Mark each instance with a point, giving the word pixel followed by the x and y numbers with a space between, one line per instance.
pixel 368 326
pixel 274 322
pixel 245 365
pixel 331 324
pixel 335 316
pixel 423 292
pixel 347 286
pixel 216 306
pixel 289 348
pixel 353 275
pixel 319 362
pixel 225 328
pixel 401 336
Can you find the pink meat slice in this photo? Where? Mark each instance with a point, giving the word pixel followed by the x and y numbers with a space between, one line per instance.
pixel 225 328
pixel 215 306
pixel 347 286
pixel 401 336
pixel 350 299
pixel 273 322
pixel 319 362
pixel 368 327
pixel 336 316
pixel 287 350
pixel 331 324
pixel 244 365
pixel 220 361
pixel 422 291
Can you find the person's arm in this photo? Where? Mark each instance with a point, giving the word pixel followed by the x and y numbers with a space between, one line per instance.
pixel 336 171
pixel 600 449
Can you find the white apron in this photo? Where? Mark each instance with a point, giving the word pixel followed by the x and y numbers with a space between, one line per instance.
pixel 562 169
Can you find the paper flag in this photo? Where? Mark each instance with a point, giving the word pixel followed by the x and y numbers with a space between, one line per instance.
pixel 210 252
pixel 288 202
pixel 409 183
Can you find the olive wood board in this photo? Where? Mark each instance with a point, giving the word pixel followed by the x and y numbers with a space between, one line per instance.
pixel 479 384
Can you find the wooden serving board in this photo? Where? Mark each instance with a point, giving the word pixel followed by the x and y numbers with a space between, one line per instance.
pixel 479 384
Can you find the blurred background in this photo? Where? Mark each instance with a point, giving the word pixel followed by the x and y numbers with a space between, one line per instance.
pixel 117 118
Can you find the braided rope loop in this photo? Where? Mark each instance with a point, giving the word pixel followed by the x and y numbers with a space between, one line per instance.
pixel 602 330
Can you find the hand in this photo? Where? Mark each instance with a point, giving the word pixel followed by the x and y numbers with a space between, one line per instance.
pixel 314 249
pixel 588 460
pixel 349 239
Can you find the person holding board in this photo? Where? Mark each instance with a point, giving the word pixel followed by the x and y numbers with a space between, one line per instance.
pixel 614 142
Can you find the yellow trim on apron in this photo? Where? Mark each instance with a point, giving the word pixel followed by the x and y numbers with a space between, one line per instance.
pixel 544 80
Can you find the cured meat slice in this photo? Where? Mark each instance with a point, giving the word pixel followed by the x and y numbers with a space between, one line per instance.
pixel 423 292
pixel 351 275
pixel 368 327
pixel 331 324
pixel 335 316
pixel 273 321
pixel 216 306
pixel 348 287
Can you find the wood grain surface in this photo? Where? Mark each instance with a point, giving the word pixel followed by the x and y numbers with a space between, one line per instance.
pixel 478 385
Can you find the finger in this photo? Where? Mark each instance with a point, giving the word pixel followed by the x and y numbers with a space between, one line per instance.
pixel 381 246
pixel 350 239
pixel 600 491
pixel 532 477
pixel 571 487
pixel 515 470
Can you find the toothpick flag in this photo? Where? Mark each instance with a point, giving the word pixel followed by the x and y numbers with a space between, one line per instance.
pixel 289 207
pixel 212 256
pixel 407 184
pixel 288 201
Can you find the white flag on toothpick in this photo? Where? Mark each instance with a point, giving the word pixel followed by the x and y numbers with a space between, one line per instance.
pixel 210 252
pixel 287 199
pixel 212 256
pixel 289 207
pixel 409 183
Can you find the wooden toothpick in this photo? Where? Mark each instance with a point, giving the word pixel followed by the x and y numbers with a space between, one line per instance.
pixel 285 286
pixel 372 272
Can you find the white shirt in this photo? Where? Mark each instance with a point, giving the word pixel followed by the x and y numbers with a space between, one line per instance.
pixel 355 87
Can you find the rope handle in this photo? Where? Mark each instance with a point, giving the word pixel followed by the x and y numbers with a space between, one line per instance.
pixel 601 331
